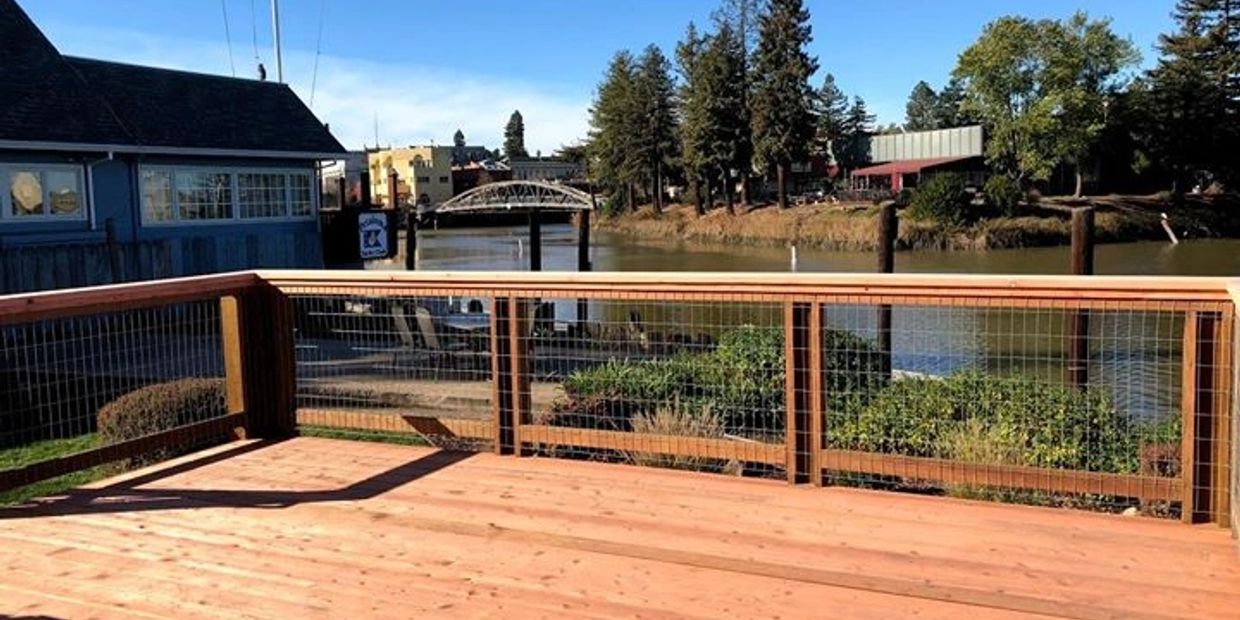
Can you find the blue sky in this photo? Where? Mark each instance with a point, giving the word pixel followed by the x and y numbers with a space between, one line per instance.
pixel 426 67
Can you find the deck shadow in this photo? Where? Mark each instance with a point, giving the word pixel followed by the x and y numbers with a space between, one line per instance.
pixel 125 496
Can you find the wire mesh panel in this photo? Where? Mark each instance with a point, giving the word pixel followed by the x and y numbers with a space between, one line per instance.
pixel 1006 400
pixel 681 383
pixel 74 385
pixel 374 363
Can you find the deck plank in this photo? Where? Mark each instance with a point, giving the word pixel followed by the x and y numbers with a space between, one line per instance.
pixel 324 528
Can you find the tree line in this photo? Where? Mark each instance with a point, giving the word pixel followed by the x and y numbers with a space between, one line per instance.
pixel 734 105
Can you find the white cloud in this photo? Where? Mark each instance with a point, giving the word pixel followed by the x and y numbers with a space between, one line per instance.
pixel 415 104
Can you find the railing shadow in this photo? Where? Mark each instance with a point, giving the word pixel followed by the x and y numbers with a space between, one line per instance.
pixel 125 496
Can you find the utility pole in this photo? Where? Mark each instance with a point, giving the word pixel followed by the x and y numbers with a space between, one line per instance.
pixel 275 30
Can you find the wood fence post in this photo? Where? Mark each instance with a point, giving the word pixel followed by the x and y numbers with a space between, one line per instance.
pixel 1206 422
pixel 501 376
pixel 520 330
pixel 269 373
pixel 234 362
pixel 803 391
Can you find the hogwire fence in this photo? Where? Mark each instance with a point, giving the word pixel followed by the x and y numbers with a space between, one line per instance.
pixel 1105 393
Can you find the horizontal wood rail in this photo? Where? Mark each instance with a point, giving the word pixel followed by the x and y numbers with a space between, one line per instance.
pixel 643 443
pixel 215 428
pixel 29 307
pixel 927 288
pixel 424 426
pixel 1148 488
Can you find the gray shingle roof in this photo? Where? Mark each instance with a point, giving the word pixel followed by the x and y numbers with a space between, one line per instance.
pixel 53 98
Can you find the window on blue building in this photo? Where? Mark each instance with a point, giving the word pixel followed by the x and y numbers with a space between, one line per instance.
pixel 173 195
pixel 41 192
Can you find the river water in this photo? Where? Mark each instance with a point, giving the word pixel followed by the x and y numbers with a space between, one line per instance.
pixel 1135 355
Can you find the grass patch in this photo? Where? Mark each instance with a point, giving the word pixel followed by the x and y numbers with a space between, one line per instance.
pixel 324 432
pixel 16 458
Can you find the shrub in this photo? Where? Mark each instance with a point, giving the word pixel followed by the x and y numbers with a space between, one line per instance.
pixel 1003 194
pixel 741 381
pixel 161 407
pixel 942 198
pixel 904 198
pixel 1050 426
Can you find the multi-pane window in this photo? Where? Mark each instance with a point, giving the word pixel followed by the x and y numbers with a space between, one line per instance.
pixel 263 195
pixel 301 194
pixel 204 195
pixel 174 194
pixel 41 192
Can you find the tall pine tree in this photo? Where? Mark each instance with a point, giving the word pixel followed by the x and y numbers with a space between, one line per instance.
pixel 613 129
pixel 922 111
pixel 1192 97
pixel 727 132
pixel 514 136
pixel 694 114
pixel 783 123
pixel 656 142
pixel 853 151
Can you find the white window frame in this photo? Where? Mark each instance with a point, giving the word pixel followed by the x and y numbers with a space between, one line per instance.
pixel 6 200
pixel 234 173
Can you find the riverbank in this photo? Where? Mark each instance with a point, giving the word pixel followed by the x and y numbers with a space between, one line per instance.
pixel 852 227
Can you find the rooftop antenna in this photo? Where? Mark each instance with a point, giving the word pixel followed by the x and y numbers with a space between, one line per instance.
pixel 275 30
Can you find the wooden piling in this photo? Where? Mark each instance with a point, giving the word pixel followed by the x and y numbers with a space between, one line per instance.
pixel 535 241
pixel 365 183
pixel 888 231
pixel 583 263
pixel 411 240
pixel 1082 265
pixel 393 183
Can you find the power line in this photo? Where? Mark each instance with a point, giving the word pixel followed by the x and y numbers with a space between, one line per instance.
pixel 228 37
pixel 318 49
pixel 254 32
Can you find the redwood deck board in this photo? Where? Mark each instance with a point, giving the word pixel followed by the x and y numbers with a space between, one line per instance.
pixel 321 528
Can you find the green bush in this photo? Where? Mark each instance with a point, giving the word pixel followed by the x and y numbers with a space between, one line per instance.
pixel 161 407
pixel 1003 194
pixel 1048 425
pixel 741 382
pixel 942 198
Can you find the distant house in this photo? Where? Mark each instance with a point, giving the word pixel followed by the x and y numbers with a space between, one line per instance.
pixel 350 169
pixel 192 173
pixel 901 160
pixel 544 169
pixel 424 174
pixel 474 174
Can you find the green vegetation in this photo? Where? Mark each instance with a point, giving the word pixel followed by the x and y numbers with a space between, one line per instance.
pixel 1003 194
pixel 160 407
pixel 16 458
pixel 942 198
pixel 741 382
pixel 975 417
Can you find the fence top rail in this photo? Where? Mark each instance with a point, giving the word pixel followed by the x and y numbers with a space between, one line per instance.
pixel 1157 288
pixel 27 307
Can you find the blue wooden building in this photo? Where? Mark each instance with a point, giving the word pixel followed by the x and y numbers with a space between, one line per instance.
pixel 114 172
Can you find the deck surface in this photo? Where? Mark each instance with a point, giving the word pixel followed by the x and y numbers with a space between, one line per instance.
pixel 324 528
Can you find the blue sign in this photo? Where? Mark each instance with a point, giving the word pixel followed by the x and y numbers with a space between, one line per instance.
pixel 372 230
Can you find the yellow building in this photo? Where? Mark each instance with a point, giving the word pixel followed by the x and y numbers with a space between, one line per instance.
pixel 424 173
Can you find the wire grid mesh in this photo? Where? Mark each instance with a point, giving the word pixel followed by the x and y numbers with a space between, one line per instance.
pixel 986 402
pixel 679 383
pixel 71 384
pixel 375 363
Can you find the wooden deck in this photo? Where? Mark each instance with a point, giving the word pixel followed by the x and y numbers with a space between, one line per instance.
pixel 323 528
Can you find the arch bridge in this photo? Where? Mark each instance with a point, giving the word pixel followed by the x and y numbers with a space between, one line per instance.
pixel 517 195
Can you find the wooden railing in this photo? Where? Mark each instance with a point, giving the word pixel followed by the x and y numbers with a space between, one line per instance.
pixel 265 328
